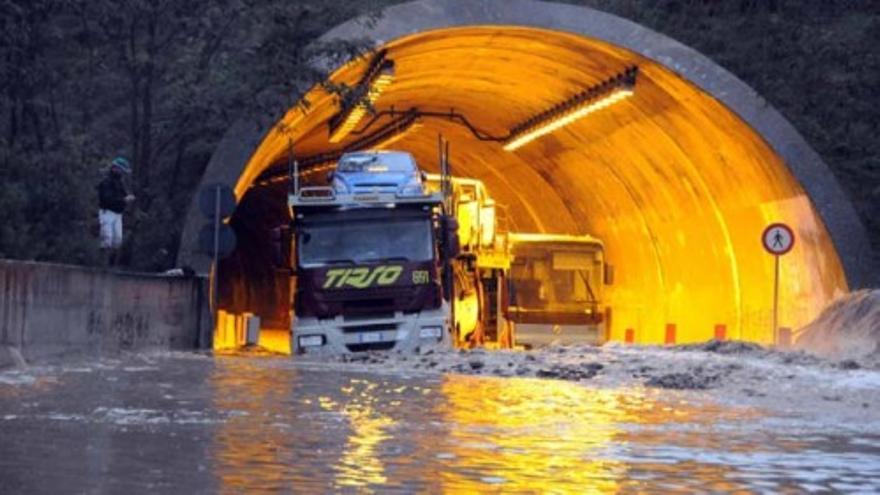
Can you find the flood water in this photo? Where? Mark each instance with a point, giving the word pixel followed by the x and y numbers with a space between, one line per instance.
pixel 193 424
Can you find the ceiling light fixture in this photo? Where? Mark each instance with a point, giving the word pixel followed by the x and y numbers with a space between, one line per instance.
pixel 575 108
pixel 375 81
pixel 380 75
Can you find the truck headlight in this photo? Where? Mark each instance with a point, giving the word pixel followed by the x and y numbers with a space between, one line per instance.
pixel 311 340
pixel 431 332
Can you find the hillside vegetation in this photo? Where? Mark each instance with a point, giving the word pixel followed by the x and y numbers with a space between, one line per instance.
pixel 160 80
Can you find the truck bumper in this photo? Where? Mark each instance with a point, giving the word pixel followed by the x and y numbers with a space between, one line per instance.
pixel 403 332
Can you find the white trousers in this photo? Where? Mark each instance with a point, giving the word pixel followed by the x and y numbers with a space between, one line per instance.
pixel 111 228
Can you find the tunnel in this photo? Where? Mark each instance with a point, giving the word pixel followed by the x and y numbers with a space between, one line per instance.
pixel 679 180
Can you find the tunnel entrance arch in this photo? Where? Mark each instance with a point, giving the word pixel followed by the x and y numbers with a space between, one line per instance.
pixel 678 181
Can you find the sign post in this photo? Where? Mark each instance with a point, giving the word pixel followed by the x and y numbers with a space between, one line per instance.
pixel 216 239
pixel 215 252
pixel 778 239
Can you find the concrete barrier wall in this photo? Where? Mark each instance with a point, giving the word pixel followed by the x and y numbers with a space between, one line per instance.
pixel 49 311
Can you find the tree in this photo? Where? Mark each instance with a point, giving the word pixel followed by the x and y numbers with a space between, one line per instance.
pixel 161 80
pixel 158 81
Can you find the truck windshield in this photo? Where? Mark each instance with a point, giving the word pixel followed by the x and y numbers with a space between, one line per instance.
pixel 365 241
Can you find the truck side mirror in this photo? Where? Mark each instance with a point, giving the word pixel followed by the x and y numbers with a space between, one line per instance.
pixel 609 274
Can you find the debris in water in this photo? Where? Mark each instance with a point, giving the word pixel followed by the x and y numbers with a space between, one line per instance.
pixel 694 380
pixel 723 347
pixel 566 373
pixel 848 364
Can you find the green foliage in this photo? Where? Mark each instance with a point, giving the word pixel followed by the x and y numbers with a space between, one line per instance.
pixel 46 204
pixel 159 81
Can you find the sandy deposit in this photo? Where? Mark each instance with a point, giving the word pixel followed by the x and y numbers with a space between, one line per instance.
pixel 849 328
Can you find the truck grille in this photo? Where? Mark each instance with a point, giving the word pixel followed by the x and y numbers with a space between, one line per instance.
pixel 370 328
pixel 358 306
pixel 368 316
pixel 373 346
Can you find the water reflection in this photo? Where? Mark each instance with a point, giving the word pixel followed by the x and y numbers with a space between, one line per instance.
pixel 557 437
pixel 244 424
pixel 301 430
pixel 360 465
pixel 532 435
pixel 251 452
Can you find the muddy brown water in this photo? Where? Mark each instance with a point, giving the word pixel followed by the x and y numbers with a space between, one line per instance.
pixel 194 424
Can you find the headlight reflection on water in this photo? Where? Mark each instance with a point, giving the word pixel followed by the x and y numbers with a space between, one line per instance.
pixel 525 432
pixel 303 430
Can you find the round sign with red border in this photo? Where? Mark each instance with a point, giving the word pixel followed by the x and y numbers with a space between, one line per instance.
pixel 778 239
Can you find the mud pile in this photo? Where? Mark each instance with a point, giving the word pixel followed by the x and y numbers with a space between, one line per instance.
pixel 849 328
pixel 795 383
pixel 694 367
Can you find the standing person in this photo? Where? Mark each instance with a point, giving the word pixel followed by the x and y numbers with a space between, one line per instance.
pixel 113 197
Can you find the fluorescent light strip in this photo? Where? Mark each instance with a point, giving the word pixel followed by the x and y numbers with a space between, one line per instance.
pixel 351 121
pixel 379 83
pixel 574 114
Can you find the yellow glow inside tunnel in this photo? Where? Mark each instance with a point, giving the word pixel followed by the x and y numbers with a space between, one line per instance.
pixel 677 186
pixel 539 447
pixel 536 427
pixel 229 335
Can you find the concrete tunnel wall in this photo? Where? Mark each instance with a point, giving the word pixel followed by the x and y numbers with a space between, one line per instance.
pixel 679 180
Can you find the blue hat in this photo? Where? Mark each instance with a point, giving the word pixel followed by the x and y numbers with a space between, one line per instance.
pixel 122 164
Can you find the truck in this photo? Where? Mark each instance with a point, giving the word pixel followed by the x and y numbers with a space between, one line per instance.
pixel 370 251
pixel 387 257
pixel 556 289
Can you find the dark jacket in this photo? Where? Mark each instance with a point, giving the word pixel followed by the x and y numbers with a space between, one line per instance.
pixel 112 193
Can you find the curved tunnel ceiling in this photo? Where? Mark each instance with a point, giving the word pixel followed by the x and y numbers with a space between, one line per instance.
pixel 678 186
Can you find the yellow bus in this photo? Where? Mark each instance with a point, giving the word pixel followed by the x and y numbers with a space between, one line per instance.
pixel 556 289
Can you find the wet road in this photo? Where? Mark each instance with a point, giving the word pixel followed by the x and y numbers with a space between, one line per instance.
pixel 192 424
